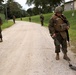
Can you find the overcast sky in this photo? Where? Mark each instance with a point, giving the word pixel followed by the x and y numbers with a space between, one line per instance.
pixel 24 5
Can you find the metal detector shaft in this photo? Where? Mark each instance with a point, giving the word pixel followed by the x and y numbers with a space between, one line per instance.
pixel 71 66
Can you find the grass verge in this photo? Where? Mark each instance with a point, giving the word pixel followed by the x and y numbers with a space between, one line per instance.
pixel 7 24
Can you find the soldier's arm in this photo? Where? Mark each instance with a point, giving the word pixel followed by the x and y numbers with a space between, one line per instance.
pixel 51 26
pixel 1 21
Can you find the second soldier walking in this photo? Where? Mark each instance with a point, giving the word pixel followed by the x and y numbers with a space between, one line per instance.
pixel 42 19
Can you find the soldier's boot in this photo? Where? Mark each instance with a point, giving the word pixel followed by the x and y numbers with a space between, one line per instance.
pixel 1 40
pixel 57 56
pixel 66 57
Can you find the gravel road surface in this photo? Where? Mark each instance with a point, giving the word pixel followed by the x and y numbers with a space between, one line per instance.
pixel 28 49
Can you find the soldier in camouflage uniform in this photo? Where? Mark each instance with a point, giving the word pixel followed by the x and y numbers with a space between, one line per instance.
pixel 0 30
pixel 13 18
pixel 29 18
pixel 57 28
pixel 42 19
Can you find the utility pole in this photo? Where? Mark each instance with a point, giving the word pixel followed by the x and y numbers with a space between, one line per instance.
pixel 64 4
pixel 73 9
pixel 6 10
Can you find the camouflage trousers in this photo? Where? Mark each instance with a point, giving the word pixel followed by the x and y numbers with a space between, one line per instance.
pixel 0 32
pixel 61 45
pixel 14 20
pixel 42 23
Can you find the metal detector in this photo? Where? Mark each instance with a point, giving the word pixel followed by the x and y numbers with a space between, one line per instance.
pixel 71 66
pixel 69 62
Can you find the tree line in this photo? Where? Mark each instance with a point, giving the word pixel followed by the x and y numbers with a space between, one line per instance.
pixel 11 7
pixel 43 6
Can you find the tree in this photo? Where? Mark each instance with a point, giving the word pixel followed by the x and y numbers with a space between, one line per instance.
pixel 23 13
pixel 13 8
pixel 1 1
pixel 1 6
pixel 36 11
pixel 43 4
pixel 29 11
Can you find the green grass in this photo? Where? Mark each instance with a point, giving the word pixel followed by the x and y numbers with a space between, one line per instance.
pixel 7 24
pixel 2 17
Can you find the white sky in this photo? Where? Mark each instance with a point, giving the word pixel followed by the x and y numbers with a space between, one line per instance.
pixel 25 6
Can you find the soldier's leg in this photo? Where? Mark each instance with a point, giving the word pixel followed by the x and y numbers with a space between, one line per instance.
pixel 57 50
pixel 1 37
pixel 1 34
pixel 42 23
pixel 64 49
pixel 14 21
pixel 57 43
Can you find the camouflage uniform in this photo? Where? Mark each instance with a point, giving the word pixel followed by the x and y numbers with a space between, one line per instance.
pixel 29 19
pixel 0 30
pixel 13 18
pixel 58 27
pixel 42 19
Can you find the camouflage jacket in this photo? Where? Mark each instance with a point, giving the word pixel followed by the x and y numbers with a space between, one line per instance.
pixel 41 17
pixel 58 25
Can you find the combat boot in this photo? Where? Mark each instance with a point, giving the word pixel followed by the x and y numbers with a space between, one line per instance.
pixel 1 40
pixel 57 56
pixel 66 57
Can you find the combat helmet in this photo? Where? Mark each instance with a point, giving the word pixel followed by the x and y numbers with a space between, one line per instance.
pixel 58 9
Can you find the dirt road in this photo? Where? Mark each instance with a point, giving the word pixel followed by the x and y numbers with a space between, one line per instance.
pixel 28 49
